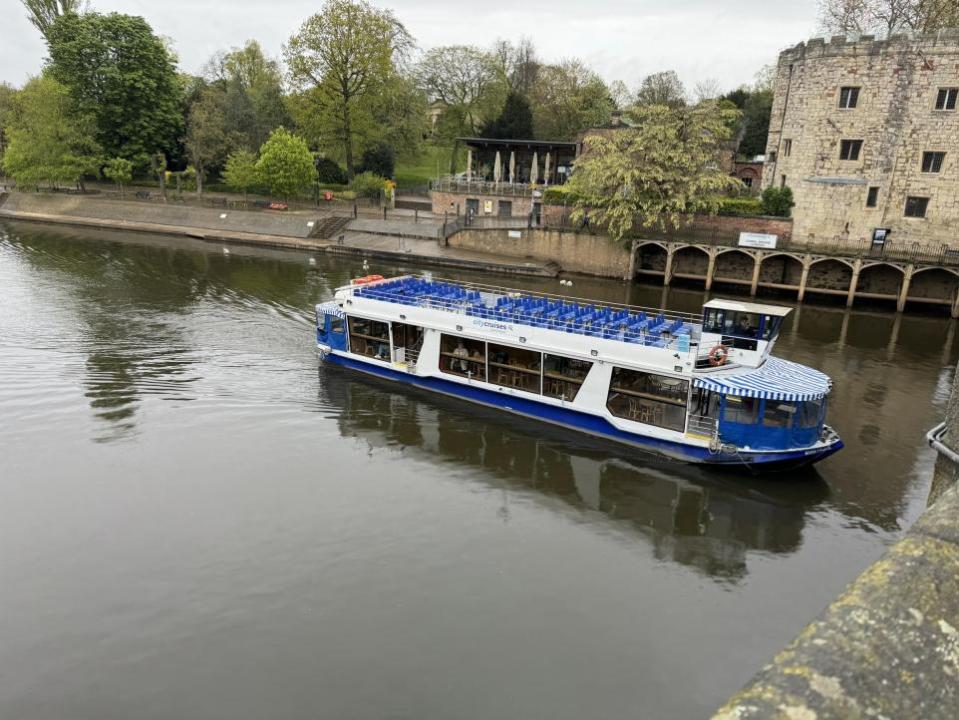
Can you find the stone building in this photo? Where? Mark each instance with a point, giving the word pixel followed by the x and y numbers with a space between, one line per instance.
pixel 866 134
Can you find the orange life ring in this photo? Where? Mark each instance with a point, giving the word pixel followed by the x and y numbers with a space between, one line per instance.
pixel 718 355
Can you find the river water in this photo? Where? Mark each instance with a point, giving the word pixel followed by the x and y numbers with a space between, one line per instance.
pixel 200 522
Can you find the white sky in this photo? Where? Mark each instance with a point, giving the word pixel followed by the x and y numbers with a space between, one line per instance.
pixel 728 40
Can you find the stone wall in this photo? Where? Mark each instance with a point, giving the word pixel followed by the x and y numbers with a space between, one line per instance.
pixel 894 117
pixel 575 252
pixel 446 202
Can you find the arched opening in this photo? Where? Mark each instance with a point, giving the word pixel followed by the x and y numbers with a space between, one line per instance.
pixel 879 282
pixel 829 277
pixel 734 267
pixel 650 260
pixel 690 263
pixel 933 286
pixel 780 272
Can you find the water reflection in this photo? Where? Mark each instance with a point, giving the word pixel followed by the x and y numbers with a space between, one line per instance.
pixel 700 519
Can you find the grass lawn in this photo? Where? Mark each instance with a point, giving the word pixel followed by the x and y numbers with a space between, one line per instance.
pixel 418 171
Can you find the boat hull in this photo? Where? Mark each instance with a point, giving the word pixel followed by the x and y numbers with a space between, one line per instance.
pixel 764 461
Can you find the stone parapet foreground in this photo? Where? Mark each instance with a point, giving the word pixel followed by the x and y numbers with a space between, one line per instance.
pixel 888 647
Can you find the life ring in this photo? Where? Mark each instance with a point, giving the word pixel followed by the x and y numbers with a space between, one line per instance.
pixel 718 355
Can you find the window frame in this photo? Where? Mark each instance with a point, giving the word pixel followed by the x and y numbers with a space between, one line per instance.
pixel 929 162
pixel 514 371
pixel 849 93
pixel 913 200
pixel 787 147
pixel 368 338
pixel 872 196
pixel 569 382
pixel 850 145
pixel 948 96
pixel 469 359
pixel 640 403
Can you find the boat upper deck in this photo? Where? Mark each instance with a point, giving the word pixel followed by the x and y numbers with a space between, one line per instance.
pixel 611 321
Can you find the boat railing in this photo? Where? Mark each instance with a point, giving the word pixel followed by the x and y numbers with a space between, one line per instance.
pixel 675 335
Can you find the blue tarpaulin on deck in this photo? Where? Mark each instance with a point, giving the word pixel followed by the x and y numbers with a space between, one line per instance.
pixel 777 379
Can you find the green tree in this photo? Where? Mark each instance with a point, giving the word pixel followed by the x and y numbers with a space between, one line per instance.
pixel 345 53
pixel 467 81
pixel 43 13
pixel 658 172
pixel 286 164
pixel 567 99
pixel 778 201
pixel 207 139
pixel 379 159
pixel 369 185
pixel 119 170
pixel 515 121
pixel 240 172
pixel 755 104
pixel 122 74
pixel 7 100
pixel 886 17
pixel 662 88
pixel 49 139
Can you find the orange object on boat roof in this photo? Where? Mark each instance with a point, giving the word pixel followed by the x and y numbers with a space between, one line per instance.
pixel 366 280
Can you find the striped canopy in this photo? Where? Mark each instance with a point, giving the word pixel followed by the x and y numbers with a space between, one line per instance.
pixel 777 379
pixel 330 308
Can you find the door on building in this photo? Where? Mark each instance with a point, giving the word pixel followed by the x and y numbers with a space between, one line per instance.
pixel 505 208
pixel 472 209
pixel 537 213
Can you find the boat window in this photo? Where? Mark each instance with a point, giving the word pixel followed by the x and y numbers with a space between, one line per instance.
pixel 563 376
pixel 515 367
pixel 742 410
pixel 771 325
pixel 336 324
pixel 648 398
pixel 463 357
pixel 778 414
pixel 370 338
pixel 713 320
pixel 810 413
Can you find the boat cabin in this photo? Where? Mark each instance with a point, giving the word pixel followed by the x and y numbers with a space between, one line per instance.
pixel 746 330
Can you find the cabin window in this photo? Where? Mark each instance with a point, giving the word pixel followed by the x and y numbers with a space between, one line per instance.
pixel 336 324
pixel 771 326
pixel 741 410
pixel 778 414
pixel 810 413
pixel 515 368
pixel 370 338
pixel 463 357
pixel 647 398
pixel 563 376
pixel 740 327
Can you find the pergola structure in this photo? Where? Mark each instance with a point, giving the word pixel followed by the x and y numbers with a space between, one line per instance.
pixel 526 162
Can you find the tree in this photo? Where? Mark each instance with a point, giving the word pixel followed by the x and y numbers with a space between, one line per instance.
pixel 43 13
pixel 656 173
pixel 517 64
pixel 569 98
pixel 887 17
pixel 119 72
pixel 379 159
pixel 346 52
pixel 119 170
pixel 778 201
pixel 369 185
pixel 708 89
pixel 49 139
pixel 752 128
pixel 662 88
pixel 286 164
pixel 515 121
pixel 7 101
pixel 465 80
pixel 240 172
pixel 207 139
pixel 328 172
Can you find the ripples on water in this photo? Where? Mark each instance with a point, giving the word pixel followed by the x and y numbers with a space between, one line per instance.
pixel 201 522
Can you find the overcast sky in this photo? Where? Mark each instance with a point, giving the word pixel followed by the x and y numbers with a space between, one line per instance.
pixel 728 40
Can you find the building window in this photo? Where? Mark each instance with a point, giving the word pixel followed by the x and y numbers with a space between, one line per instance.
pixel 787 147
pixel 747 181
pixel 872 198
pixel 563 376
pixel 651 399
pixel 515 368
pixel 850 149
pixel 916 206
pixel 848 98
pixel 932 161
pixel 946 99
pixel 370 338
pixel 505 208
pixel 772 156
pixel 782 181
pixel 463 357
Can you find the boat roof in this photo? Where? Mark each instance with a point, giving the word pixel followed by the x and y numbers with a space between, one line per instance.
pixel 750 307
pixel 775 379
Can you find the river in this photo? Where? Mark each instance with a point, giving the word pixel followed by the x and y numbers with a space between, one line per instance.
pixel 198 521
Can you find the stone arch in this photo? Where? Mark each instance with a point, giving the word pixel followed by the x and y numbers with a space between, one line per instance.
pixel 933 285
pixel 734 265
pixel 690 261
pixel 881 280
pixel 830 276
pixel 651 258
pixel 780 270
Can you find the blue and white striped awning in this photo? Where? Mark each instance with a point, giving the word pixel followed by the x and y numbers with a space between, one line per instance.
pixel 330 308
pixel 776 379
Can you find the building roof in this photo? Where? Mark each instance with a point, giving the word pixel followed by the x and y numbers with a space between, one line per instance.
pixel 739 306
pixel 776 379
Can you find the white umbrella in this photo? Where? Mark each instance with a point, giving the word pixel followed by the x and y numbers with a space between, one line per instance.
pixel 534 171
pixel 512 167
pixel 497 168
pixel 546 171
pixel 469 165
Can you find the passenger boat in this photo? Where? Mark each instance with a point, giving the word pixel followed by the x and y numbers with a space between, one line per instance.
pixel 701 389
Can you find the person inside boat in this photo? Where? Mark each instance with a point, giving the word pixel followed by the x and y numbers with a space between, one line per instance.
pixel 382 352
pixel 745 328
pixel 461 352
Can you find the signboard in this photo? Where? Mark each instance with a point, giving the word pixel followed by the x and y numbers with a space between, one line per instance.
pixel 757 240
pixel 515 233
pixel 880 235
pixel 488 207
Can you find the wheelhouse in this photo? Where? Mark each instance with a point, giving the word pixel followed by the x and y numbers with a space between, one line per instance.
pixel 746 331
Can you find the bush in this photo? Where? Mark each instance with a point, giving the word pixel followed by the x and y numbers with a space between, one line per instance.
pixel 329 172
pixel 379 160
pixel 560 195
pixel 778 201
pixel 345 195
pixel 739 207
pixel 369 185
